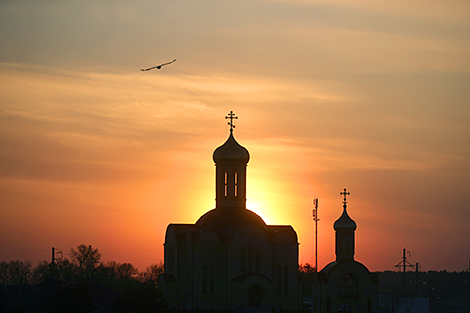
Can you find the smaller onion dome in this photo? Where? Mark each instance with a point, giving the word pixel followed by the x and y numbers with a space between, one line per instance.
pixel 345 223
pixel 231 152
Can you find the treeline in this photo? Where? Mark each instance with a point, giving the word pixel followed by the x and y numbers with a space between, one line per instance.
pixel 80 284
pixel 83 283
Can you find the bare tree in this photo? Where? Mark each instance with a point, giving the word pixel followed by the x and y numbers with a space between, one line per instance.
pixel 85 257
pixel 151 273
pixel 15 272
pixel 122 270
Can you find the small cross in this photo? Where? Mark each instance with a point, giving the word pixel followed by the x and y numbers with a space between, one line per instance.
pixel 344 194
pixel 231 116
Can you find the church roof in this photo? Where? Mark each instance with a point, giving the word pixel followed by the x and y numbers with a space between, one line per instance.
pixel 352 266
pixel 231 152
pixel 224 221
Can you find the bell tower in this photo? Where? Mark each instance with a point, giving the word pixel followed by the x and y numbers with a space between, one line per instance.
pixel 230 160
pixel 345 228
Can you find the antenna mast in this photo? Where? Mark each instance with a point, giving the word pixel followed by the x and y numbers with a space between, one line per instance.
pixel 315 218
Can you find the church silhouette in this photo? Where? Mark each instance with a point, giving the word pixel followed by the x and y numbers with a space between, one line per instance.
pixel 231 261
pixel 346 285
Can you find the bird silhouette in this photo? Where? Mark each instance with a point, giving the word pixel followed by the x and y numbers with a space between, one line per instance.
pixel 157 67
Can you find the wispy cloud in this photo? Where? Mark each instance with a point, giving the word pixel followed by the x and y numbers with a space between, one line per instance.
pixel 368 95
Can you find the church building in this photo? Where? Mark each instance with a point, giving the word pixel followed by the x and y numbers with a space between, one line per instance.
pixel 345 285
pixel 230 260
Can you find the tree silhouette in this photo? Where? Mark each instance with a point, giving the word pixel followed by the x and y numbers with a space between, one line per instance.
pixel 15 285
pixel 151 273
pixel 81 283
pixel 15 272
pixel 122 270
pixel 85 257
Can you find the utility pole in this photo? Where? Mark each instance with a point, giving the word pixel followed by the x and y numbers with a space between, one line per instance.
pixel 53 259
pixel 315 218
pixel 403 264
pixel 417 279
pixel 316 306
pixel 53 263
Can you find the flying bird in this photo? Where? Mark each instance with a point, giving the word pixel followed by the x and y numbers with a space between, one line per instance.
pixel 157 67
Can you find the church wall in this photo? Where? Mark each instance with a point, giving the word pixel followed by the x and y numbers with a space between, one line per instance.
pixel 170 251
pixel 170 267
pixel 349 283
pixel 285 271
pixel 244 289
pixel 249 255
pixel 183 287
pixel 209 280
pixel 249 250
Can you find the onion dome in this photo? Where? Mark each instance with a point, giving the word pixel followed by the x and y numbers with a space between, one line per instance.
pixel 231 152
pixel 345 223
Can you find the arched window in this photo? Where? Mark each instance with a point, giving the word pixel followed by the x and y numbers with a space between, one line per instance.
pixel 250 256
pixel 257 267
pixel 242 260
pixel 171 259
pixel 286 281
pixel 328 305
pixel 204 279
pixel 208 280
pixel 278 280
pixel 225 183
pixel 347 284
pixel 236 183
pixel 211 280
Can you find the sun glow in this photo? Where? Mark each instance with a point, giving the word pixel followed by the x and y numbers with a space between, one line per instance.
pixel 260 210
pixel 262 200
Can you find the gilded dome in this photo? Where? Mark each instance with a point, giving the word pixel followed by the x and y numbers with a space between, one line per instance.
pixel 231 153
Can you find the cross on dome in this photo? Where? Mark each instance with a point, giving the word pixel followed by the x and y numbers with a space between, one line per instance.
pixel 344 194
pixel 231 116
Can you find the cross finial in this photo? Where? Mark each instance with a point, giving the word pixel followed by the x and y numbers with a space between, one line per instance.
pixel 231 116
pixel 344 194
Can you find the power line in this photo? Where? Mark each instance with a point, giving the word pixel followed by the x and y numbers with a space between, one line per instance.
pixel 403 264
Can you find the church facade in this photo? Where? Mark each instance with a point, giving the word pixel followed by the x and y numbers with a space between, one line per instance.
pixel 230 260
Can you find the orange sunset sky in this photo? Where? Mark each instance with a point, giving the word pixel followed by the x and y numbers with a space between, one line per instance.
pixel 372 96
